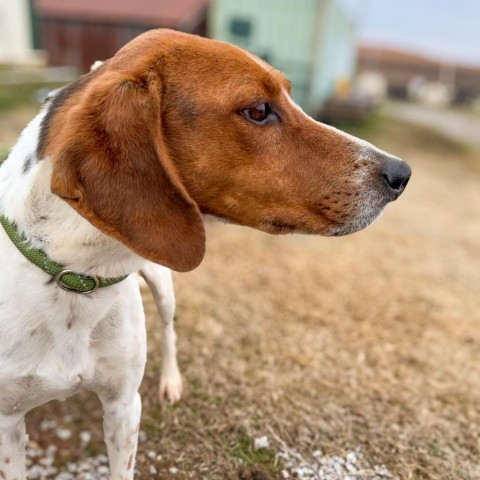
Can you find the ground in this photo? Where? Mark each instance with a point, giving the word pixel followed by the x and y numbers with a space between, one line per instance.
pixel 367 342
pixel 459 123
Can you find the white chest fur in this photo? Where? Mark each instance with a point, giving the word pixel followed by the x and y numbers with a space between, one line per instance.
pixel 55 343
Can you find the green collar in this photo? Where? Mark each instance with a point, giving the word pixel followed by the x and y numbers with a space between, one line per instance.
pixel 65 279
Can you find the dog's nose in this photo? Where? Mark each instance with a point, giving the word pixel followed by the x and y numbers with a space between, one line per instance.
pixel 396 174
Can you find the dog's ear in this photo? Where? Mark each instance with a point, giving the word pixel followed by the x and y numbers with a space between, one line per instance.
pixel 110 164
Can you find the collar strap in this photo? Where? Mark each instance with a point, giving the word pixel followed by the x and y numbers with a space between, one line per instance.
pixel 65 279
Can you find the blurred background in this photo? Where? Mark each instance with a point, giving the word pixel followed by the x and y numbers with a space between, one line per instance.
pixel 358 355
pixel 343 56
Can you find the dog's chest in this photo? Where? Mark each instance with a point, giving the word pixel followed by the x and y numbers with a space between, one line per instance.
pixel 54 371
pixel 53 352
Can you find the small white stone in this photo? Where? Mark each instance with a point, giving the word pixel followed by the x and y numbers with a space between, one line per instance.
pixel 51 450
pixel 101 458
pixel 46 461
pixel 351 457
pixel 383 472
pixel 317 454
pixel 296 455
pixel 351 468
pixel 173 470
pixel 103 470
pixel 152 470
pixel 63 433
pixel 260 442
pixel 35 472
pixel 285 474
pixel 46 425
pixel 86 476
pixel 51 471
pixel 152 455
pixel 83 467
pixel 64 476
pixel 304 472
pixel 85 436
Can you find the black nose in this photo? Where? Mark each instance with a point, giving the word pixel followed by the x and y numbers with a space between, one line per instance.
pixel 396 174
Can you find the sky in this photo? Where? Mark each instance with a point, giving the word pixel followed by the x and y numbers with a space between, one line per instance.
pixel 445 29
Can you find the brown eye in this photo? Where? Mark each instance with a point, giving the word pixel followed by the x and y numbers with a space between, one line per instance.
pixel 260 114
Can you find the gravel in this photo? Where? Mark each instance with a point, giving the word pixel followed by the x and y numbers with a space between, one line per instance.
pixel 41 463
pixel 318 466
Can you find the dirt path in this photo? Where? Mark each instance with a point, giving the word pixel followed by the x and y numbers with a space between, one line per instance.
pixel 370 341
pixel 455 124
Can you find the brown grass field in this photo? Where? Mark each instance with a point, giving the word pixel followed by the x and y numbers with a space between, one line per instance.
pixel 371 341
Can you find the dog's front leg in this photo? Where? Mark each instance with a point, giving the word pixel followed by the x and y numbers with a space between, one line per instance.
pixel 12 447
pixel 121 421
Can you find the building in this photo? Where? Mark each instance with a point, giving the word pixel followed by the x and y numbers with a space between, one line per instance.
pixel 79 32
pixel 311 41
pixel 18 40
pixel 408 74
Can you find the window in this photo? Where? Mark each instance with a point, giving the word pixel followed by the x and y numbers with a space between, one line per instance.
pixel 241 27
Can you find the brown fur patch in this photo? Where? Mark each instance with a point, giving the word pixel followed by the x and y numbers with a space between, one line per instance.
pixel 152 138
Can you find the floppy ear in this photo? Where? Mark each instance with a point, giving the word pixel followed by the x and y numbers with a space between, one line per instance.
pixel 110 164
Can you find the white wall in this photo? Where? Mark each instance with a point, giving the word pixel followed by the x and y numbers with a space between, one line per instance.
pixel 15 32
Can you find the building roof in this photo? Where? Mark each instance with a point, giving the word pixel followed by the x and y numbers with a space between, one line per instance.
pixel 165 13
pixel 394 56
pixel 401 65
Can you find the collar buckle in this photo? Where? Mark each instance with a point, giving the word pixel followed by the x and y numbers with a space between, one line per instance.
pixel 64 286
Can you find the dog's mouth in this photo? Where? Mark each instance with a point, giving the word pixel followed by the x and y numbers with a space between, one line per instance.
pixel 317 221
pixel 330 223
pixel 369 214
pixel 277 227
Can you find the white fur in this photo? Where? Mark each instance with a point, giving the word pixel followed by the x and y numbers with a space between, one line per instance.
pixel 56 343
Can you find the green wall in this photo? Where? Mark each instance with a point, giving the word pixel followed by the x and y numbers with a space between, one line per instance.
pixel 308 40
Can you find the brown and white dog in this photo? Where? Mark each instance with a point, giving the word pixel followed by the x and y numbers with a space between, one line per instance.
pixel 113 176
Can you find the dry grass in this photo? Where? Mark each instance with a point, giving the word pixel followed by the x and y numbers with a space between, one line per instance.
pixel 11 124
pixel 369 341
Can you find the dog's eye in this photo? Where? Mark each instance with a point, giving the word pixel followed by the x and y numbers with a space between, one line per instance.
pixel 260 114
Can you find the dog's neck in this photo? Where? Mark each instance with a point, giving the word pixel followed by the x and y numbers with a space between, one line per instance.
pixel 48 222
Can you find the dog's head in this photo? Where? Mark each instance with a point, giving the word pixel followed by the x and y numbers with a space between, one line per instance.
pixel 176 125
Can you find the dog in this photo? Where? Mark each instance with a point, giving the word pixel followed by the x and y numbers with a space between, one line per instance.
pixel 113 177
